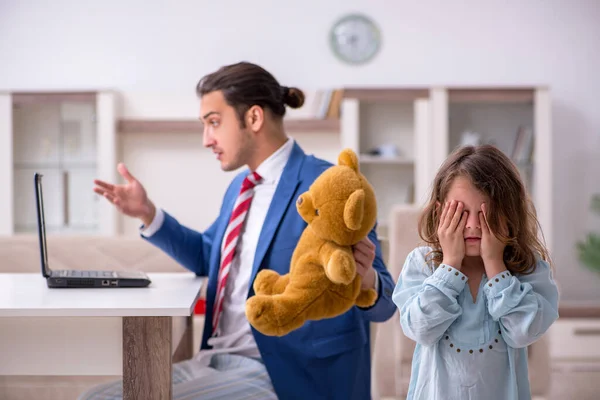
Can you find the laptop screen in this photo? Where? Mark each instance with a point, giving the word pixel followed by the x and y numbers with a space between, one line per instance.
pixel 41 224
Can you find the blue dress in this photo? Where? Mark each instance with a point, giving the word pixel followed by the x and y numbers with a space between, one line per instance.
pixel 472 348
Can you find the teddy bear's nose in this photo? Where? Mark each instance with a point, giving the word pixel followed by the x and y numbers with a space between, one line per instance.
pixel 299 201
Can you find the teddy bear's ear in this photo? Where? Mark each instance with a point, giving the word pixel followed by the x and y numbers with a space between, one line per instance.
pixel 348 157
pixel 305 207
pixel 354 210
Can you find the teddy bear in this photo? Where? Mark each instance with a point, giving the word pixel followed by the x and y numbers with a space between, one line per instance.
pixel 340 209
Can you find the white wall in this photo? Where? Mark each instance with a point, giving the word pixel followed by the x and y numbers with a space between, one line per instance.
pixel 154 53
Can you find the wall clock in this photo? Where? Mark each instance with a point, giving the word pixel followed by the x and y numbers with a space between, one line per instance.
pixel 355 39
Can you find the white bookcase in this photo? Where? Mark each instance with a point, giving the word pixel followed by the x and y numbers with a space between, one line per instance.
pixel 70 139
pixel 425 125
pixel 389 129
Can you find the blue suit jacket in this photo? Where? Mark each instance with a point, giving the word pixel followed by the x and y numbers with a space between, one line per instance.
pixel 327 359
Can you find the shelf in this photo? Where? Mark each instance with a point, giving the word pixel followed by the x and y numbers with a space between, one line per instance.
pixel 491 95
pixel 158 126
pixel 455 95
pixel 63 165
pixel 313 125
pixel 369 159
pixel 52 229
pixel 194 126
pixel 385 95
pixel 22 98
pixel 578 310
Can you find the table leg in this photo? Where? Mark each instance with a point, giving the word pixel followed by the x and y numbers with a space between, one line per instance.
pixel 147 364
pixel 185 349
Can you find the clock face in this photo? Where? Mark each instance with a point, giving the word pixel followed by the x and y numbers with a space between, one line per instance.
pixel 355 39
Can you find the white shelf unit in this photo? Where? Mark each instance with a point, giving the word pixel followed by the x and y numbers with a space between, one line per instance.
pixel 70 139
pixel 426 124
pixel 389 130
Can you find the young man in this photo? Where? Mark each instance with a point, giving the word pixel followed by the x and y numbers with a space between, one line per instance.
pixel 242 109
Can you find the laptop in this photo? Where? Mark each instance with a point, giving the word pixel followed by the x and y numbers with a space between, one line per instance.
pixel 79 278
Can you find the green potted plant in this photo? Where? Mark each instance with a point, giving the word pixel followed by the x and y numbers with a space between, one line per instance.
pixel 589 249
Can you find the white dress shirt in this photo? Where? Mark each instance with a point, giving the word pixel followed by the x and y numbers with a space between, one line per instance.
pixel 235 334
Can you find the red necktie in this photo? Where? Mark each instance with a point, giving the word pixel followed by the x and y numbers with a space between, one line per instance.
pixel 230 239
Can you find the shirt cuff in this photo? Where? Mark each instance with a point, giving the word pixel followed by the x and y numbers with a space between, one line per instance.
pixel 155 225
pixel 450 276
pixel 498 283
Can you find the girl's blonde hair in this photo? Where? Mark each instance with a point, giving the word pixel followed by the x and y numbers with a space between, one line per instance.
pixel 510 205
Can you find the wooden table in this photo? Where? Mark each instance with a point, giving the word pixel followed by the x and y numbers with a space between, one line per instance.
pixel 133 332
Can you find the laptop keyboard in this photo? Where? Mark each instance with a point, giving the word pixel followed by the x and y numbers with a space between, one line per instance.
pixel 86 274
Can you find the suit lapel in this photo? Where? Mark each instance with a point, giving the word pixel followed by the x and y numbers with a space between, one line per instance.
pixel 279 205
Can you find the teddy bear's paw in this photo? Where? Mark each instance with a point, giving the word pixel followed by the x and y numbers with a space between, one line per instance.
pixel 259 310
pixel 341 268
pixel 366 298
pixel 262 314
pixel 275 315
pixel 265 281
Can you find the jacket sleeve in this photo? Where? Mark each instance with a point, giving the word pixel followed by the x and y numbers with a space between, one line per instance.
pixel 384 307
pixel 427 300
pixel 189 248
pixel 525 306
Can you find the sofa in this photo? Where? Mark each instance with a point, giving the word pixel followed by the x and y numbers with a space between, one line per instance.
pixel 393 351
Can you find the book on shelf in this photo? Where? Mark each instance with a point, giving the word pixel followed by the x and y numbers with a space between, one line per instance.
pixel 319 104
pixel 335 104
pixel 523 147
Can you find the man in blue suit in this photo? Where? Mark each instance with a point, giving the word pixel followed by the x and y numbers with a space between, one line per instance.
pixel 242 110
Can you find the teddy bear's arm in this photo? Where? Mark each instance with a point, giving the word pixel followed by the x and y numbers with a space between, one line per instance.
pixel 270 282
pixel 339 263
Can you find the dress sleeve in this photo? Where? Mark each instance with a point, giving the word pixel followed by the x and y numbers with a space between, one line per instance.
pixel 427 300
pixel 525 306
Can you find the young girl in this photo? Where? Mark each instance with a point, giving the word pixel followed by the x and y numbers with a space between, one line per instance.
pixel 481 290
